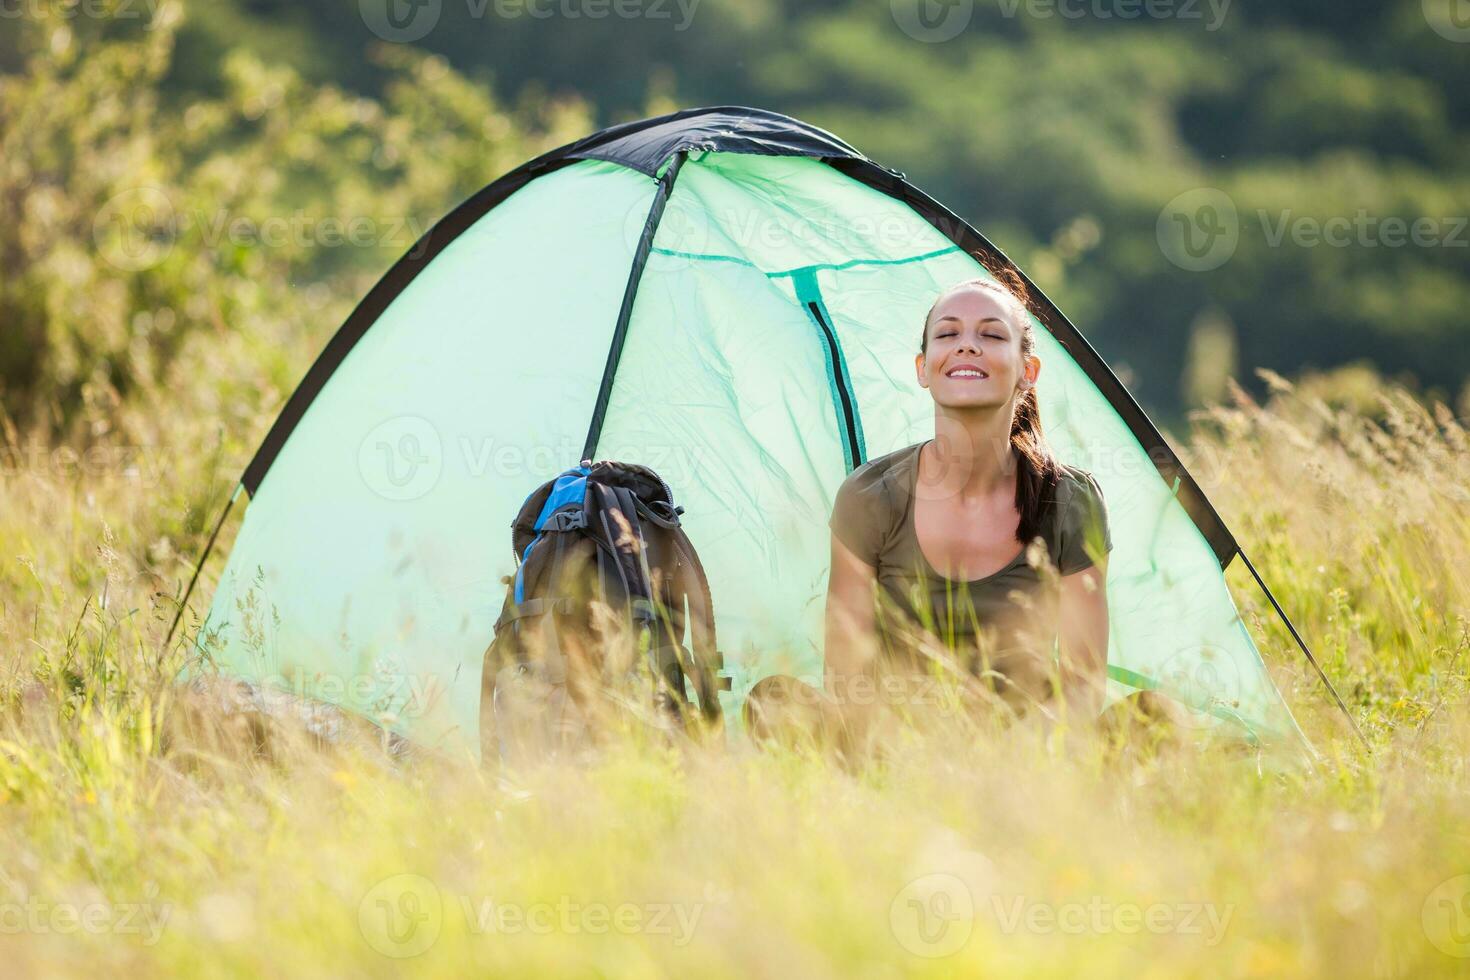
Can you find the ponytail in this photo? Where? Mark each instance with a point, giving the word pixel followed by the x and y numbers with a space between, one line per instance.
pixel 1037 470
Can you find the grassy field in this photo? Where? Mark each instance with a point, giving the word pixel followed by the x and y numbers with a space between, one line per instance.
pixel 143 831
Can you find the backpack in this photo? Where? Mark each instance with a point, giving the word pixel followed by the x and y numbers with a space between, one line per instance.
pixel 604 532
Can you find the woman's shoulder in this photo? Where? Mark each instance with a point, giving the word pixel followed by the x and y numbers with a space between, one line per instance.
pixel 876 483
pixel 1077 498
pixel 1073 481
pixel 873 473
pixel 868 505
pixel 1079 519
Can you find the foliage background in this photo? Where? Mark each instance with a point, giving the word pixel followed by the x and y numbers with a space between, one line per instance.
pixel 170 176
pixel 1060 132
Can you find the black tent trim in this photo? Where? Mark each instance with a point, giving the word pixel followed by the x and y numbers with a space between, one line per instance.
pixel 378 299
pixel 645 145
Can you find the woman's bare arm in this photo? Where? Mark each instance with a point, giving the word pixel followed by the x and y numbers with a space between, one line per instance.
pixel 1083 640
pixel 850 646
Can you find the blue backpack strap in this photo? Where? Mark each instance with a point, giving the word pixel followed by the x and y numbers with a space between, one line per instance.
pixel 569 488
pixel 561 512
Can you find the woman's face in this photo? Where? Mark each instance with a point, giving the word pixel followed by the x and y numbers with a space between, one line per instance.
pixel 974 354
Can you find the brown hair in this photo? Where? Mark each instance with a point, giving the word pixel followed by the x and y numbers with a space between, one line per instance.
pixel 1037 469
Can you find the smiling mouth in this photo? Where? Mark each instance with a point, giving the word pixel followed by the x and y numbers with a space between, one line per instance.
pixel 973 374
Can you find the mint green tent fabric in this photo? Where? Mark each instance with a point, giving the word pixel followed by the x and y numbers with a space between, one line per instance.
pixel 367 569
pixel 373 551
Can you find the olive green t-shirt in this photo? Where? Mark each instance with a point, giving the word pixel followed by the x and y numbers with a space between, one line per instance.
pixel 1007 615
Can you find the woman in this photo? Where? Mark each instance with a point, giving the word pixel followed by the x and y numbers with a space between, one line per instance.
pixel 978 535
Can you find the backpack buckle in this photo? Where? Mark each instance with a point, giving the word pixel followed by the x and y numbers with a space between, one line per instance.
pixel 643 612
pixel 566 520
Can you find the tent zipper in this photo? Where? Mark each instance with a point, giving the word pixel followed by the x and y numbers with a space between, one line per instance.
pixel 839 384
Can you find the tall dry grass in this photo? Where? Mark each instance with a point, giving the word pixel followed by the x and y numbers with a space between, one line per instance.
pixel 146 830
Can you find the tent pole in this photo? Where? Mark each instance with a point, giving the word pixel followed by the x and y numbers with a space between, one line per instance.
pixel 630 292
pixel 1302 643
pixel 204 557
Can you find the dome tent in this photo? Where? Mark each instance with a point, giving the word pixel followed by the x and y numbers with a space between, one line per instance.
pixel 731 297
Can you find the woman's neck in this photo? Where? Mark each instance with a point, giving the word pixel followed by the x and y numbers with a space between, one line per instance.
pixel 971 454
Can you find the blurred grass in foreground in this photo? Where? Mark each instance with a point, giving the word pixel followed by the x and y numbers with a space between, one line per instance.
pixel 146 832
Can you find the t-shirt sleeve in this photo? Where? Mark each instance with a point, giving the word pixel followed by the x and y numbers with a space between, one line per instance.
pixel 859 516
pixel 1084 524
